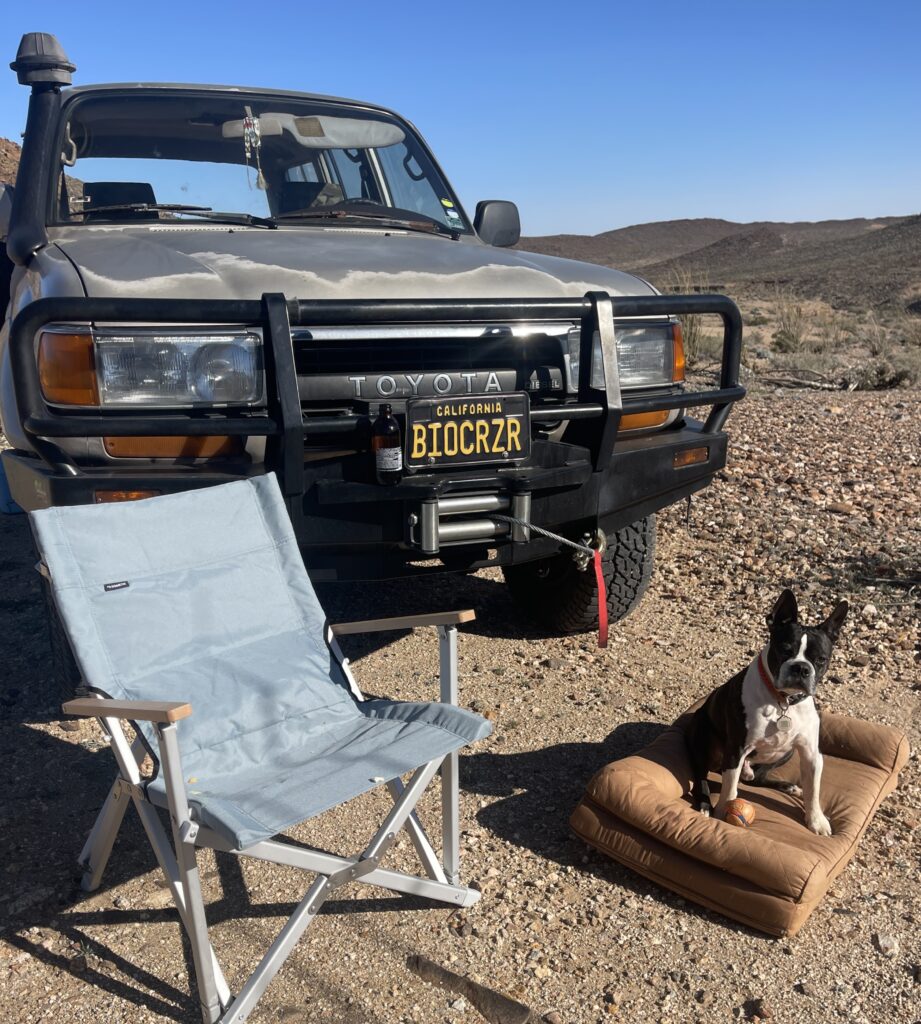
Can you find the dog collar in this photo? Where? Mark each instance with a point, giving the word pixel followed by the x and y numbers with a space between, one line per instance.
pixel 782 699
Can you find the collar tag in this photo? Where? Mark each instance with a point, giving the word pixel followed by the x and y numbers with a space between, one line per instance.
pixel 121 585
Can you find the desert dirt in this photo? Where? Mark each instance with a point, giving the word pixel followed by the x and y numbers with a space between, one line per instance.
pixel 821 494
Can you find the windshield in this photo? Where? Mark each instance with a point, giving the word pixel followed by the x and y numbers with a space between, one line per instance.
pixel 164 156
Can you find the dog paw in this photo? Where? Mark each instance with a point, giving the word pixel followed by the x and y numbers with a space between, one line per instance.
pixel 705 809
pixel 792 790
pixel 820 825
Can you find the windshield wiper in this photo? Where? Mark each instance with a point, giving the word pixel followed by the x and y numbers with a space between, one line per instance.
pixel 143 207
pixel 205 212
pixel 429 225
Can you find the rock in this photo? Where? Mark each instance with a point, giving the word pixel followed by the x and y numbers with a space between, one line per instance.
pixel 860 660
pixel 554 664
pixel 459 1004
pixel 552 1018
pixel 843 508
pixel 887 944
pixel 122 903
pixel 760 1010
pixel 869 611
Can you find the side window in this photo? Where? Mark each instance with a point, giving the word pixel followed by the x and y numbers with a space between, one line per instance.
pixel 303 172
pixel 408 183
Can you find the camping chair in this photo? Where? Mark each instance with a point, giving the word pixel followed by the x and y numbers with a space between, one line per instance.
pixel 201 598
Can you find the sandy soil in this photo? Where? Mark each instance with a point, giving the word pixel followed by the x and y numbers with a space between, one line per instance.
pixel 821 494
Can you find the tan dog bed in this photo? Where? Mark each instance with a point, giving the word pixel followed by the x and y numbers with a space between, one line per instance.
pixel 770 876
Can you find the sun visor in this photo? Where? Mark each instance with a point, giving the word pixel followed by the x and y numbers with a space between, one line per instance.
pixel 323 132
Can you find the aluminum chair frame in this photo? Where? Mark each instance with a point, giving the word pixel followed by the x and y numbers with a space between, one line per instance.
pixel 178 861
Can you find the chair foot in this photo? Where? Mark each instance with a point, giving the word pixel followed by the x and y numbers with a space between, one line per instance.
pixel 88 883
pixel 471 896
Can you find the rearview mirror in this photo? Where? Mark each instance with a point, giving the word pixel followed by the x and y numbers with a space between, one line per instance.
pixel 497 222
pixel 6 209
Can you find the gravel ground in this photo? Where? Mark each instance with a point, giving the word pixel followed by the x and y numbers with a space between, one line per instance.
pixel 821 494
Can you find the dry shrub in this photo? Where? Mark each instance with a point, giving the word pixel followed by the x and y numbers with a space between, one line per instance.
pixel 830 333
pixel 791 321
pixel 683 281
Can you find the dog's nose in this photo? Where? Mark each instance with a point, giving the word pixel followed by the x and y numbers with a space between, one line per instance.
pixel 799 669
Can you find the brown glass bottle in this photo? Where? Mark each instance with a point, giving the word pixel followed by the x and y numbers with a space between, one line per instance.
pixel 387 445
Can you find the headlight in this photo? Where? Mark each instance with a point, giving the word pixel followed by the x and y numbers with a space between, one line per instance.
pixel 166 370
pixel 647 355
pixel 173 370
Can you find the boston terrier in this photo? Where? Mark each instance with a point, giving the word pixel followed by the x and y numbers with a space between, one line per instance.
pixel 754 722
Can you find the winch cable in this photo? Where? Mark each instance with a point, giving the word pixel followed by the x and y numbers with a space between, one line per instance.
pixel 593 553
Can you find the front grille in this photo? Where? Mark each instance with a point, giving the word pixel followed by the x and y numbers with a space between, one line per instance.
pixel 413 355
pixel 349 369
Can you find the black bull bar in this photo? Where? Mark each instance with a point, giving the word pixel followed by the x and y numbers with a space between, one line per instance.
pixel 282 421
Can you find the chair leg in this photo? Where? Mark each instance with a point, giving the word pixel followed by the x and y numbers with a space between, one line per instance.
pixel 98 847
pixel 170 868
pixel 450 777
pixel 95 854
pixel 184 830
pixel 420 840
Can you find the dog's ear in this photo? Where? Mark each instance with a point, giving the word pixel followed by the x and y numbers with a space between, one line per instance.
pixel 784 610
pixel 832 625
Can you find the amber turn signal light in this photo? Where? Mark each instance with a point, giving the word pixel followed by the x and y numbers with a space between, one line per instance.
pixel 677 353
pixel 690 457
pixel 643 419
pixel 204 447
pixel 103 497
pixel 67 369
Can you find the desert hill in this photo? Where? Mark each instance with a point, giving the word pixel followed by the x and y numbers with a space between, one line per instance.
pixel 855 263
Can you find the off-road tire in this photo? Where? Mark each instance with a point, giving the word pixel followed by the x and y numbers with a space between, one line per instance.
pixel 557 595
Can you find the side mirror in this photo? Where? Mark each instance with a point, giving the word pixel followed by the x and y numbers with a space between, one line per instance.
pixel 497 222
pixel 6 210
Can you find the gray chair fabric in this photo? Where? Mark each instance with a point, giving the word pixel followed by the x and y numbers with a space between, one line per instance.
pixel 203 597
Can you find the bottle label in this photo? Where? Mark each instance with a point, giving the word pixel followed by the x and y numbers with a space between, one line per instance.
pixel 389 460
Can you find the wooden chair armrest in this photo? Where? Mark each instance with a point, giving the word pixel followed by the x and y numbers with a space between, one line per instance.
pixel 160 711
pixel 404 622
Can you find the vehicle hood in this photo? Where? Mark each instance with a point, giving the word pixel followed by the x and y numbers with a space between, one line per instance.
pixel 217 262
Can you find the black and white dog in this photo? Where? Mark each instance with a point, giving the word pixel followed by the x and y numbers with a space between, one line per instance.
pixel 754 722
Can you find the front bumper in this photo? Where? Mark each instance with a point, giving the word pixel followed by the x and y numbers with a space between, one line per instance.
pixel 350 528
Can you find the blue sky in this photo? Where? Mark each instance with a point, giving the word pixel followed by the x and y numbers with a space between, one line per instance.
pixel 589 115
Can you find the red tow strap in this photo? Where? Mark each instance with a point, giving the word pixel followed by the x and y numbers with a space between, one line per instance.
pixel 602 601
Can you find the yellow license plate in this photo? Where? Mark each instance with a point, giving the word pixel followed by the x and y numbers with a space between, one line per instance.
pixel 469 430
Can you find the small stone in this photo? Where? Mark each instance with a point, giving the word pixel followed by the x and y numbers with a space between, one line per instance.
pixel 860 660
pixel 869 611
pixel 804 988
pixel 761 1010
pixel 69 725
pixel 843 508
pixel 887 944
pixel 122 903
pixel 77 963
pixel 459 1004
pixel 552 1018
pixel 554 664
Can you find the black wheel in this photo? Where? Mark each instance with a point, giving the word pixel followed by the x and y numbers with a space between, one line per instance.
pixel 558 595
